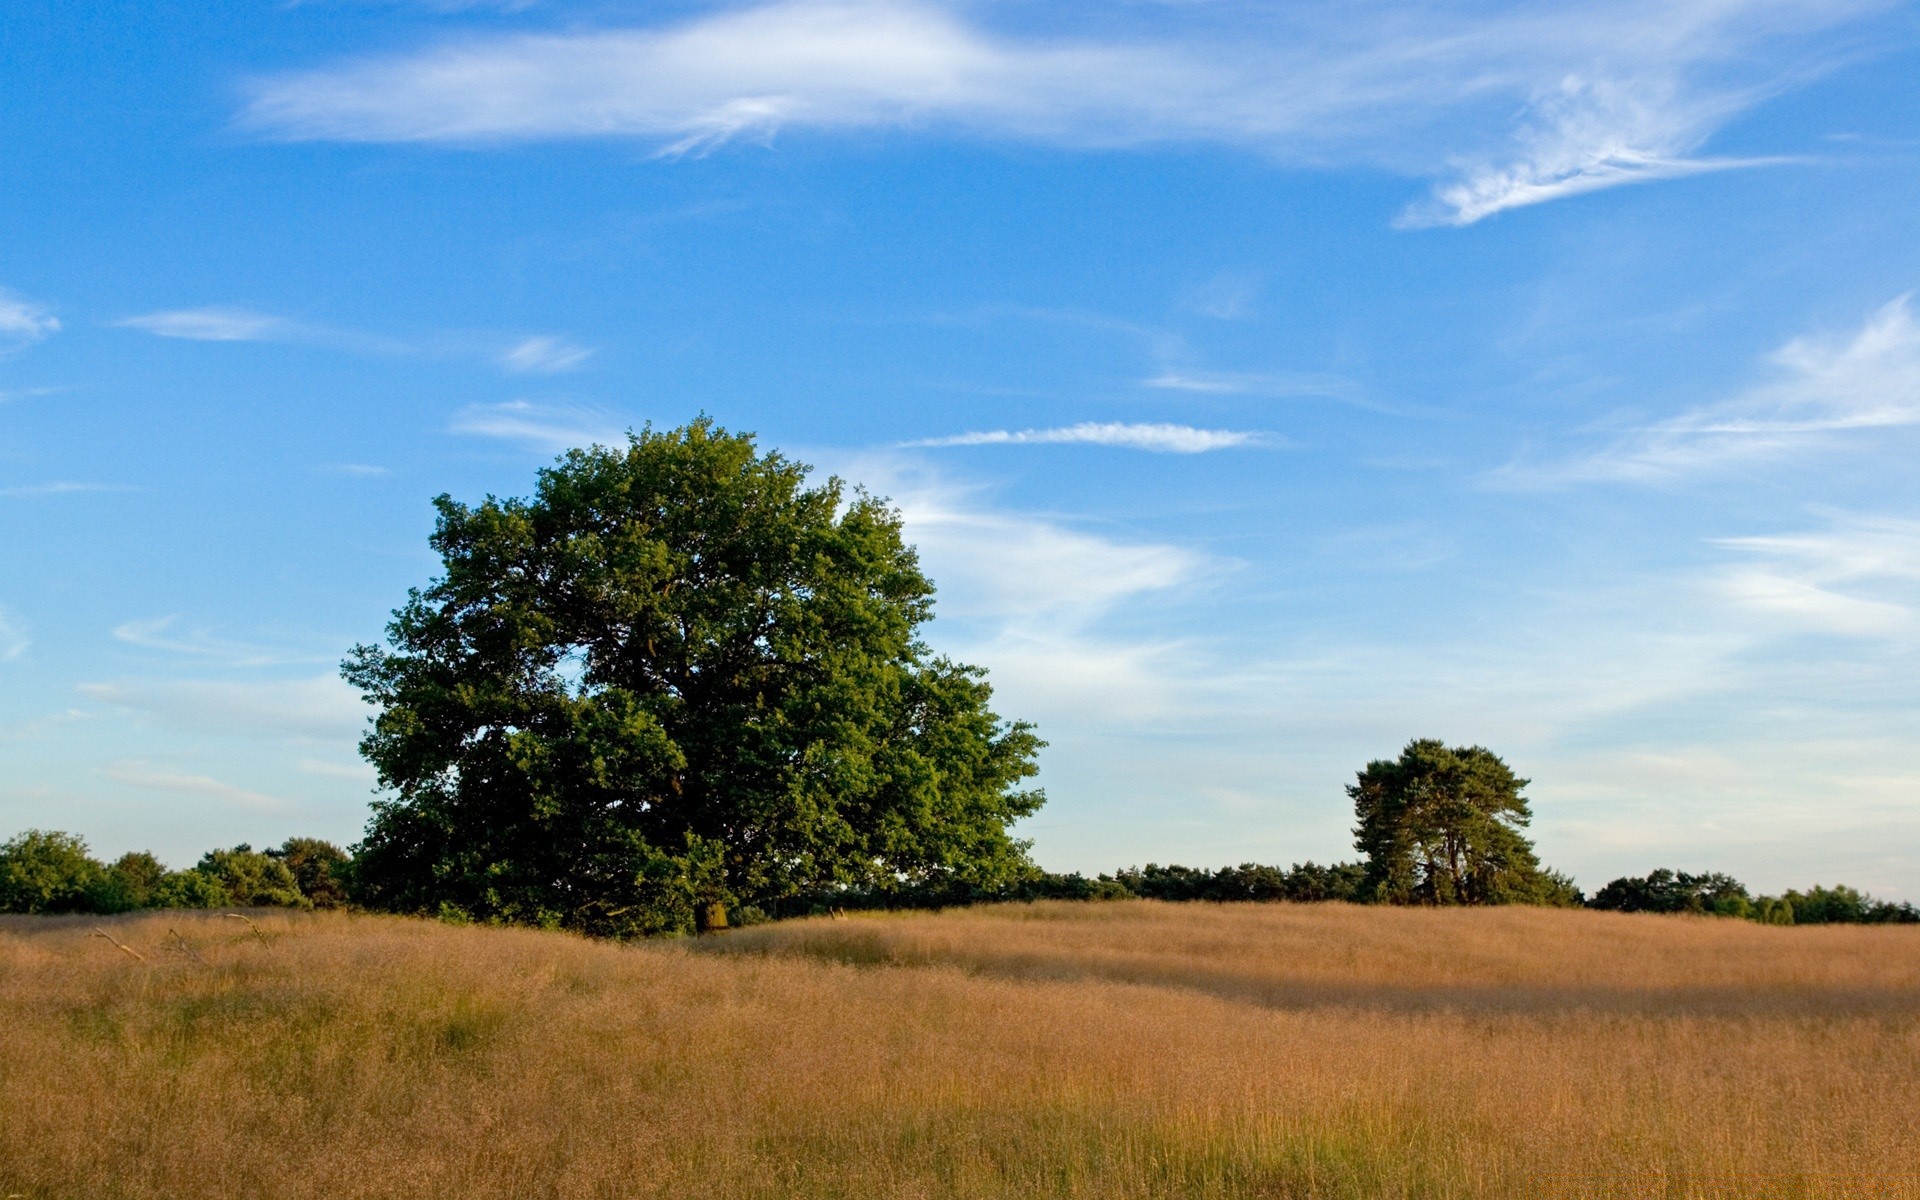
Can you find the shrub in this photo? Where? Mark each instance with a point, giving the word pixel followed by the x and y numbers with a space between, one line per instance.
pixel 130 883
pixel 1666 891
pixel 319 869
pixel 46 871
pixel 1843 905
pixel 191 889
pixel 252 879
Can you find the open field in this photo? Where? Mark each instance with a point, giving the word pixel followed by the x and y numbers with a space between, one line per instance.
pixel 1109 1050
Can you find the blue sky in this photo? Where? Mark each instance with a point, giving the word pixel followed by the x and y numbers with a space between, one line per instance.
pixel 1265 385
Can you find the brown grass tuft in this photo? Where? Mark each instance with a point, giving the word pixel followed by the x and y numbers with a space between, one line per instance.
pixel 1112 1050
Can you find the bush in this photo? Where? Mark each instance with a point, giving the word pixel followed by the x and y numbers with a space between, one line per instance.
pixel 320 870
pixel 252 879
pixel 191 889
pixel 46 871
pixel 130 883
pixel 1302 882
pixel 1842 905
pixel 1666 891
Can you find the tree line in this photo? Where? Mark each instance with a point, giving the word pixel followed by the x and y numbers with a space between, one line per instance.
pixel 684 685
pixel 47 871
pixel 43 871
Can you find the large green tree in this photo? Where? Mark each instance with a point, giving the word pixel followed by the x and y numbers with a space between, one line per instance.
pixel 1443 825
pixel 680 675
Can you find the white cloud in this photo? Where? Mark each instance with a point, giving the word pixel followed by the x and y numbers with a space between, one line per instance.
pixel 159 633
pixel 13 636
pixel 219 323
pixel 1018 568
pixel 322 708
pixel 358 772
pixel 143 774
pixel 545 355
pixel 1826 388
pixel 1586 136
pixel 215 324
pixel 28 393
pixel 1857 578
pixel 22 322
pixel 1163 439
pixel 1050 607
pixel 542 426
pixel 1808 605
pixel 363 470
pixel 1227 296
pixel 1610 92
pixel 62 488
pixel 1270 384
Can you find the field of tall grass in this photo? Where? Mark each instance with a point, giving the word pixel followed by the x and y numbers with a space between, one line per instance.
pixel 1101 1050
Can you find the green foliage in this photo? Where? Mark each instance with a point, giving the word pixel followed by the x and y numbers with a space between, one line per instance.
pixel 1666 891
pixel 677 676
pixel 45 871
pixel 1441 825
pixel 1841 904
pixel 191 889
pixel 1248 881
pixel 130 883
pixel 320 870
pixel 1299 883
pixel 251 879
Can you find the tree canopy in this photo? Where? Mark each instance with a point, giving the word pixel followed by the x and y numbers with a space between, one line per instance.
pixel 680 675
pixel 1442 825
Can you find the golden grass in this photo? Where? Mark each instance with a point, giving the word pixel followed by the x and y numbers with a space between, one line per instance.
pixel 1102 1050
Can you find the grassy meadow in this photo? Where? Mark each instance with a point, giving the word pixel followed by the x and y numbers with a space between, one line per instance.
pixel 1126 1049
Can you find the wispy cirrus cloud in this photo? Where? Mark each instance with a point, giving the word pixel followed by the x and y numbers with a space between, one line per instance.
pixel 216 324
pixel 1825 388
pixel 164 633
pixel 1608 92
pixel 23 322
pixel 63 487
pixel 548 426
pixel 1859 577
pixel 1050 606
pixel 13 636
pixel 1586 136
pixel 143 774
pixel 540 354
pixel 545 355
pixel 8 397
pixel 320 708
pixel 1158 438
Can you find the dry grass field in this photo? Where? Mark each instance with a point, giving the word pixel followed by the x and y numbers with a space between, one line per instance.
pixel 1097 1050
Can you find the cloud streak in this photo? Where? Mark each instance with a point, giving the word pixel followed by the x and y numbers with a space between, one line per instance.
pixel 540 354
pixel 215 324
pixel 550 427
pixel 1609 93
pixel 63 487
pixel 142 774
pixel 321 709
pixel 13 637
pixel 1825 388
pixel 22 322
pixel 545 355
pixel 1159 439
pixel 1859 578
pixel 159 633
